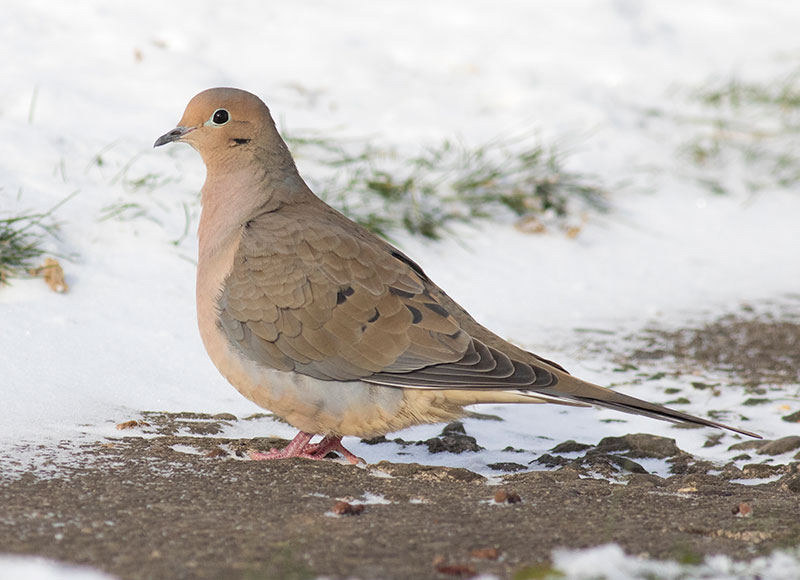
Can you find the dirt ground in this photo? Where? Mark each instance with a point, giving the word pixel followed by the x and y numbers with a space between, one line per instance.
pixel 140 509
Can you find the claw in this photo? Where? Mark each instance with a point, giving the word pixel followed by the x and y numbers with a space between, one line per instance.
pixel 329 444
pixel 300 447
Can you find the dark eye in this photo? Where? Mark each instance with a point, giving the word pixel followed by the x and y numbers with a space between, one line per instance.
pixel 220 117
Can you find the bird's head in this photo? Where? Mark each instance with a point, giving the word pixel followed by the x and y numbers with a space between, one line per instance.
pixel 217 121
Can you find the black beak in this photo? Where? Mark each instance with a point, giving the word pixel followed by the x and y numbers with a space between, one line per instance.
pixel 175 135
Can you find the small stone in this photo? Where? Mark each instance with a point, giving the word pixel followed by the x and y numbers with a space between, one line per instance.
pixel 453 439
pixel 742 510
pixel 793 418
pixel 507 466
pixel 570 446
pixel 779 446
pixel 375 440
pixel 550 460
pixel 502 495
pixel 454 427
pixel 640 445
pixel 453 443
pixel 747 445
pixel 342 508
pixel 628 464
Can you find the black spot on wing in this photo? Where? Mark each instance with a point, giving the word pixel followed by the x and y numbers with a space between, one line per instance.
pixel 437 308
pixel 415 314
pixel 343 293
pixel 375 316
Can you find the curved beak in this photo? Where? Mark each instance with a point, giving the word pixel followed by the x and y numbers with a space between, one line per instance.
pixel 175 135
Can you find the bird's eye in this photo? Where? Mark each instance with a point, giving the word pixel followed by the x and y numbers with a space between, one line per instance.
pixel 220 117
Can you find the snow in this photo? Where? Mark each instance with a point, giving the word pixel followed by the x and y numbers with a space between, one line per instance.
pixel 87 87
pixel 33 568
pixel 609 562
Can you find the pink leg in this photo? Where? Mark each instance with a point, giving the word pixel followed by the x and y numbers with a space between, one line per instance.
pixel 295 448
pixel 300 447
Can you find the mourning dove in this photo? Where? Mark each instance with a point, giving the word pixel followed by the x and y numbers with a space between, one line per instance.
pixel 327 325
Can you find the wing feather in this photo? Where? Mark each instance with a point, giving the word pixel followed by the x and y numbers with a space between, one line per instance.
pixel 332 303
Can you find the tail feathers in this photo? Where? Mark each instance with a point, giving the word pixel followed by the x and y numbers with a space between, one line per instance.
pixel 577 390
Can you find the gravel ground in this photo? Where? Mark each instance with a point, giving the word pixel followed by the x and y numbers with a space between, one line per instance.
pixel 140 509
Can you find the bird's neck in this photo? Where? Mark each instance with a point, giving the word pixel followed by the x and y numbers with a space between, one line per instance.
pixel 233 197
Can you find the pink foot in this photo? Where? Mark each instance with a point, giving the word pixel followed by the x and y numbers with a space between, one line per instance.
pixel 334 444
pixel 300 447
pixel 295 448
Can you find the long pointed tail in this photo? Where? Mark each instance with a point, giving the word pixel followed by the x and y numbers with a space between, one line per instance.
pixel 575 389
